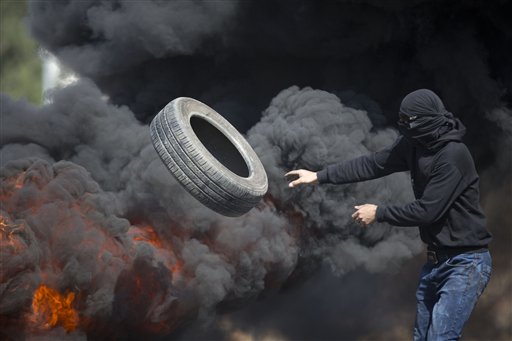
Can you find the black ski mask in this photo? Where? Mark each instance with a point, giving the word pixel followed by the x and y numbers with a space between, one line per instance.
pixel 425 122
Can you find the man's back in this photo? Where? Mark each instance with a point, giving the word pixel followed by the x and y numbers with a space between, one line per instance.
pixel 464 222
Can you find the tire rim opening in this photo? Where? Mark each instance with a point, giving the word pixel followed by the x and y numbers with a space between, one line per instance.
pixel 219 146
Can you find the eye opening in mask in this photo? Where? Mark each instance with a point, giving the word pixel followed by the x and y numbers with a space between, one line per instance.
pixel 403 118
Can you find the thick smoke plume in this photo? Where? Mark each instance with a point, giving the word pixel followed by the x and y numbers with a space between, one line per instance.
pixel 236 55
pixel 309 129
pixel 88 208
pixel 111 224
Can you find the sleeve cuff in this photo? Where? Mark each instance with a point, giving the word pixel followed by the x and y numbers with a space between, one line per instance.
pixel 322 176
pixel 380 213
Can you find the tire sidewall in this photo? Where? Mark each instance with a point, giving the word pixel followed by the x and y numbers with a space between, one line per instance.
pixel 182 109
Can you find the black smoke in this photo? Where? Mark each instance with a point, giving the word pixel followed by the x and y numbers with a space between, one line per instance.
pixel 258 63
pixel 235 55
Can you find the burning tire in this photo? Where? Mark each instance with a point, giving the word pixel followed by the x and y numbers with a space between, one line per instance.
pixel 208 157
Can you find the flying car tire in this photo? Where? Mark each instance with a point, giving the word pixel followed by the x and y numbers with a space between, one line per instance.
pixel 208 157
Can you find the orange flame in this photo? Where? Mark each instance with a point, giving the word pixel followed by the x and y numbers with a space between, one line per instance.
pixel 13 182
pixel 147 234
pixel 178 267
pixel 8 236
pixel 50 308
pixel 3 225
pixel 18 182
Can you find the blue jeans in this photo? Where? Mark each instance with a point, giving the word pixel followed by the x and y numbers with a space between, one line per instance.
pixel 447 293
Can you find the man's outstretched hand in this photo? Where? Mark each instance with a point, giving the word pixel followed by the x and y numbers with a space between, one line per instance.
pixel 365 214
pixel 304 177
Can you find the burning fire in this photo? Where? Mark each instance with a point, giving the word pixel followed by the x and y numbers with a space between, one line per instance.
pixel 3 226
pixel 9 241
pixel 163 249
pixel 146 234
pixel 50 308
pixel 19 180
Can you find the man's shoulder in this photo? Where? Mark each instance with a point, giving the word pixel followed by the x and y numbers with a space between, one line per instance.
pixel 456 153
pixel 455 148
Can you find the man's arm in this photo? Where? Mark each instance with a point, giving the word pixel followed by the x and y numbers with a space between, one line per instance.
pixel 390 160
pixel 443 188
pixel 381 163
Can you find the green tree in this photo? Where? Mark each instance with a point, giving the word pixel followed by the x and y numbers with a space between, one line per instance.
pixel 20 65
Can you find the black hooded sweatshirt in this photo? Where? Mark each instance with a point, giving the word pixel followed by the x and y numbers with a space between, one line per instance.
pixel 443 174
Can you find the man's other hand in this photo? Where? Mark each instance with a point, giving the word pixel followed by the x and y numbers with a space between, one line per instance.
pixel 365 214
pixel 304 177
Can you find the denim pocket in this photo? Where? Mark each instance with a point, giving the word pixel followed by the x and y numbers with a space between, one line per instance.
pixel 486 264
pixel 462 260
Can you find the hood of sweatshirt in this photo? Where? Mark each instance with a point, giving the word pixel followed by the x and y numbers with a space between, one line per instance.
pixel 424 120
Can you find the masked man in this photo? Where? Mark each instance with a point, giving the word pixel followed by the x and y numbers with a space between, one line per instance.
pixel 446 209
